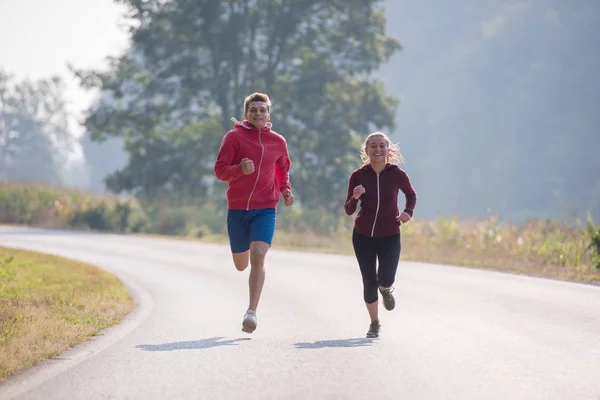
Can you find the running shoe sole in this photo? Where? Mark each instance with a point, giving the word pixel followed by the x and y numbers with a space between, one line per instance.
pixel 248 326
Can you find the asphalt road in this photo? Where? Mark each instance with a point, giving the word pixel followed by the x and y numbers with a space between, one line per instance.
pixel 456 333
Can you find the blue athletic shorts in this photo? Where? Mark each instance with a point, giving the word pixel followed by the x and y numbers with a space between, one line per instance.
pixel 245 227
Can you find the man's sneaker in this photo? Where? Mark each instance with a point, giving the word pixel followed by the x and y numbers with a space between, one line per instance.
pixel 249 323
pixel 374 329
pixel 388 299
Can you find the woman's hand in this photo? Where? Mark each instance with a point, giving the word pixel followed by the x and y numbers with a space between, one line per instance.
pixel 358 191
pixel 402 218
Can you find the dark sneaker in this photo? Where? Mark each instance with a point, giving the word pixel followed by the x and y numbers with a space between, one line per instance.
pixel 374 329
pixel 388 299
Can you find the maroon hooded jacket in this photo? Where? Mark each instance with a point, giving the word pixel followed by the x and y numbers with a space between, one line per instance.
pixel 379 204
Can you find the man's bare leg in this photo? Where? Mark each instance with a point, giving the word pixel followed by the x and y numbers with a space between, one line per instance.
pixel 241 260
pixel 258 251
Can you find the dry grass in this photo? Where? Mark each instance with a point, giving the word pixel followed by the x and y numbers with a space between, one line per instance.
pixel 49 304
pixel 550 249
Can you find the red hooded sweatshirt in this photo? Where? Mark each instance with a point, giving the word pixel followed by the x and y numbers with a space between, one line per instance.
pixel 379 202
pixel 268 150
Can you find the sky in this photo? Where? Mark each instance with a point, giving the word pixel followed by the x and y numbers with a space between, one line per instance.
pixel 39 37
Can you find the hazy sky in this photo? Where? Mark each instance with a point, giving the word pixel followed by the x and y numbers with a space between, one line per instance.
pixel 39 37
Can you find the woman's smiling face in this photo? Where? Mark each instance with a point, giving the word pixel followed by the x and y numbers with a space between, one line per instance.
pixel 377 149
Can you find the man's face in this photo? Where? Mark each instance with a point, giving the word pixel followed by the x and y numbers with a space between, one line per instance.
pixel 258 114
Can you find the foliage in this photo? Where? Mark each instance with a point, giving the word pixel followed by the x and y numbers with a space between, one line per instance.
pixel 544 247
pixel 196 61
pixel 53 207
pixel 594 237
pixel 34 130
pixel 179 160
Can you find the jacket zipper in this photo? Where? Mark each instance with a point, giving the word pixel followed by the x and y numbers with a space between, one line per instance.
pixel 262 153
pixel 377 210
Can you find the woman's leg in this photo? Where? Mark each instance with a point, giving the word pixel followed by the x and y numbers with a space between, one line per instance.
pixel 367 262
pixel 388 251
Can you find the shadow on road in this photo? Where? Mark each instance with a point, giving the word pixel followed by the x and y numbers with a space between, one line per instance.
pixel 191 344
pixel 319 344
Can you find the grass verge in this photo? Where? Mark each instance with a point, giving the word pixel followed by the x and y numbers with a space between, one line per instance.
pixel 49 304
pixel 539 248
pixel 542 250
pixel 560 249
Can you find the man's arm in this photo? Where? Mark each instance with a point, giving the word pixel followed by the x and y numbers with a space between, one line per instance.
pixel 225 169
pixel 282 171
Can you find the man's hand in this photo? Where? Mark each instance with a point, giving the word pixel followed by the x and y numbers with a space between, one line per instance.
pixel 288 197
pixel 358 191
pixel 247 166
pixel 403 217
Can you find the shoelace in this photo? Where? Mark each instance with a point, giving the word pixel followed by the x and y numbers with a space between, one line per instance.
pixel 389 290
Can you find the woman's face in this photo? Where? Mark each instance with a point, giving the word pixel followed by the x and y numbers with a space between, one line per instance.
pixel 377 149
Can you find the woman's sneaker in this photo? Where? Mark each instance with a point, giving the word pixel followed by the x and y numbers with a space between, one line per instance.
pixel 374 329
pixel 250 322
pixel 388 299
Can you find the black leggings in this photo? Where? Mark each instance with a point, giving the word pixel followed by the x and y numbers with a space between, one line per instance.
pixel 368 250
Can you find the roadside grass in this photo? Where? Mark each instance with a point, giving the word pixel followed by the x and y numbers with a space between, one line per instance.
pixel 551 249
pixel 559 249
pixel 49 304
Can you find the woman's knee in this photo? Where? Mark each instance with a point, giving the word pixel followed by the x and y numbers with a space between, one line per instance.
pixel 370 293
pixel 386 283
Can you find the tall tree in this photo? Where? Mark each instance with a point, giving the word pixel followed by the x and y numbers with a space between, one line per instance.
pixel 35 141
pixel 102 159
pixel 196 60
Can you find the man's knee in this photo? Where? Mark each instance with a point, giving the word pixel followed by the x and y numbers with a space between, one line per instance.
pixel 240 260
pixel 258 251
pixel 241 266
pixel 258 258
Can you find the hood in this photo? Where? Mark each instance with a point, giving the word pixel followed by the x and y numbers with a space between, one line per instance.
pixel 247 125
pixel 388 166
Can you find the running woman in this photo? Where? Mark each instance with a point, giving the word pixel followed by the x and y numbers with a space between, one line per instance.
pixel 376 234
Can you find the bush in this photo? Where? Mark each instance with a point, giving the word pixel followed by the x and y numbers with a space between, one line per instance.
pixel 50 207
pixel 594 236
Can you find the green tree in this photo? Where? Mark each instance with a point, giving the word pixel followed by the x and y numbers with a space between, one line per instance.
pixel 169 161
pixel 102 159
pixel 193 61
pixel 34 130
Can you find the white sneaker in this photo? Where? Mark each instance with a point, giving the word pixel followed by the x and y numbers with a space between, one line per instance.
pixel 250 322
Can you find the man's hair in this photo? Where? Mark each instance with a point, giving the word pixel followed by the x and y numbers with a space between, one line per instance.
pixel 257 97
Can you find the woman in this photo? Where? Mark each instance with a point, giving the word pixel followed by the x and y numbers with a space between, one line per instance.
pixel 376 234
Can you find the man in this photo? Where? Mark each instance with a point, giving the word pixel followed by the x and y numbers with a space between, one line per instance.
pixel 254 161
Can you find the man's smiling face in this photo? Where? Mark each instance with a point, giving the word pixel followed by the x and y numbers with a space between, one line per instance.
pixel 258 114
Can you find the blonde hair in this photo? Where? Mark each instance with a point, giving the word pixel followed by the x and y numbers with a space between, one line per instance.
pixel 257 97
pixel 393 156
